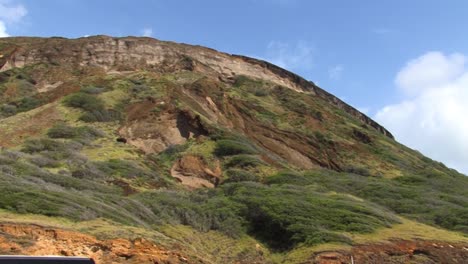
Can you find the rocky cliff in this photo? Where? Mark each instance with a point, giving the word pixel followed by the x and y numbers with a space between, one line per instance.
pixel 131 54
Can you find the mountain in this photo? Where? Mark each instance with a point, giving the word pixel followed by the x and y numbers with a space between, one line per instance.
pixel 135 150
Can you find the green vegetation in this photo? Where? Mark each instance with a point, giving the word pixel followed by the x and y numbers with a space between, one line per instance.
pixel 235 175
pixel 266 141
pixel 439 200
pixel 243 161
pixel 93 107
pixel 227 147
pixel 84 101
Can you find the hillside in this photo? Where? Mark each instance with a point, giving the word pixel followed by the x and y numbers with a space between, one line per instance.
pixel 135 150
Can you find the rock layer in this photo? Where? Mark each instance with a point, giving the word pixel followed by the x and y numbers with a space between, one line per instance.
pixel 131 53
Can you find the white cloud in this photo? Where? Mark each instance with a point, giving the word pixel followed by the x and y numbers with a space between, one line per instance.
pixel 291 57
pixel 10 14
pixel 431 70
pixel 433 117
pixel 335 72
pixel 3 32
pixel 147 32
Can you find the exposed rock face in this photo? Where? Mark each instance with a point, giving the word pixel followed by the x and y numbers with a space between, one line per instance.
pixel 155 133
pixel 194 172
pixel 35 240
pixel 430 252
pixel 130 53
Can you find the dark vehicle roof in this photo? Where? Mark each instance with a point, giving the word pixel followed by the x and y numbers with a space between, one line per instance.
pixel 44 260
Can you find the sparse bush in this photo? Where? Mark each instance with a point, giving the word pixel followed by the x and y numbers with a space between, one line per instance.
pixel 357 170
pixel 52 148
pixel 261 92
pixel 43 162
pixel 9 109
pixel 103 115
pixel 89 171
pixel 288 177
pixel 83 134
pixel 90 133
pixel 235 175
pixel 93 90
pixel 317 115
pixel 228 147
pixel 84 101
pixel 27 103
pixel 62 130
pixel 243 161
pixel 121 168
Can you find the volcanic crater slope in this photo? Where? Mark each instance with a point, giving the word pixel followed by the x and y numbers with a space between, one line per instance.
pixel 160 152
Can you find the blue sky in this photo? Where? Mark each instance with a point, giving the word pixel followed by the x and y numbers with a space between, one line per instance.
pixel 358 50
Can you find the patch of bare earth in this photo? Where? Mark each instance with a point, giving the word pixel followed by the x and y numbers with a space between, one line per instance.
pixel 18 128
pixel 194 172
pixel 36 240
pixel 398 252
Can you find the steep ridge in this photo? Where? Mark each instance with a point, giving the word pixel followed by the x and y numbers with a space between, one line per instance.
pixel 146 53
pixel 178 153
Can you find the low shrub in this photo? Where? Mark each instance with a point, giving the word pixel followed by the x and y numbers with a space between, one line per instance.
pixel 235 175
pixel 93 90
pixel 52 148
pixel 84 101
pixel 83 134
pixel 243 161
pixel 288 177
pixel 356 170
pixel 121 168
pixel 61 130
pixel 227 147
pixel 103 115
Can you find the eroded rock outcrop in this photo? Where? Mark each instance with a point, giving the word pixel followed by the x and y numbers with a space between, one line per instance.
pixel 194 172
pixel 131 53
pixel 19 239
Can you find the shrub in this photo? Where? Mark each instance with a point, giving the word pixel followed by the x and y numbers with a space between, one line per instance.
pixel 243 161
pixel 91 133
pixel 317 115
pixel 240 176
pixel 228 147
pixel 101 116
pixel 27 103
pixel 121 168
pixel 9 109
pixel 52 148
pixel 84 101
pixel 93 90
pixel 288 177
pixel 261 92
pixel 83 134
pixel 356 170
pixel 62 130
pixel 43 162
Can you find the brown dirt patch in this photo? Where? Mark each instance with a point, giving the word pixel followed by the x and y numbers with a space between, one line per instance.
pixel 396 252
pixel 18 128
pixel 194 172
pixel 36 240
pixel 153 131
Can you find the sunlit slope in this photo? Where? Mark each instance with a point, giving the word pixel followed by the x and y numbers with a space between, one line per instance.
pixel 188 150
